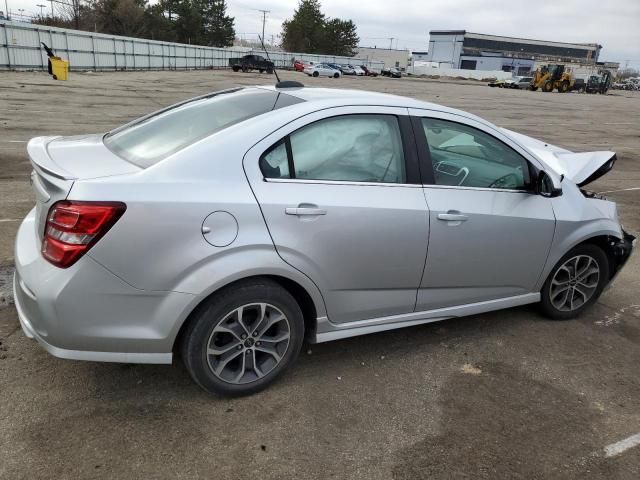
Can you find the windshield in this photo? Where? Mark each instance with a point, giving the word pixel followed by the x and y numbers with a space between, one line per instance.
pixel 161 134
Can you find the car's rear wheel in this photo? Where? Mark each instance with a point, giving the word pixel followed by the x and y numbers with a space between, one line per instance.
pixel 243 338
pixel 575 283
pixel 336 75
pixel 316 74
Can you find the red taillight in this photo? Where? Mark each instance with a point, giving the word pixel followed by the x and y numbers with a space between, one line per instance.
pixel 73 227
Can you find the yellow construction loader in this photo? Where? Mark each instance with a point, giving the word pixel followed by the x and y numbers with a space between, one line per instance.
pixel 552 77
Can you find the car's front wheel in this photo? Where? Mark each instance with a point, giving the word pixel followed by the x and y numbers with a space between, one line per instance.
pixel 243 338
pixel 575 283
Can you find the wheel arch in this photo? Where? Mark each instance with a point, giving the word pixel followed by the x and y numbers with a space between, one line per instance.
pixel 607 243
pixel 604 239
pixel 298 292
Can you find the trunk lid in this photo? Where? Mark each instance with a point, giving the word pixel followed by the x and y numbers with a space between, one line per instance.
pixel 58 162
pixel 581 168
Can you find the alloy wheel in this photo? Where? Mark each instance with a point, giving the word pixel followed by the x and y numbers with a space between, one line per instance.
pixel 248 343
pixel 574 283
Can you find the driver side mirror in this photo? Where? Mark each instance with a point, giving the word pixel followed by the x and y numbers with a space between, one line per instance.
pixel 547 186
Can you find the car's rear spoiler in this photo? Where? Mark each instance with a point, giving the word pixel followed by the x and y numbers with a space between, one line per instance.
pixel 40 159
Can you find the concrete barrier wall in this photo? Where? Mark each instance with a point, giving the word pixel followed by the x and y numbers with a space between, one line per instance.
pixel 20 49
pixel 458 72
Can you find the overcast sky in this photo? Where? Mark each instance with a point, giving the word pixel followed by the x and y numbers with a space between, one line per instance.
pixel 615 24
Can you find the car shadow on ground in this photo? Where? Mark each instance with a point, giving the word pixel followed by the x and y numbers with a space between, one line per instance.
pixel 489 421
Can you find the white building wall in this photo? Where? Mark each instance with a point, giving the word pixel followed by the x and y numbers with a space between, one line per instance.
pixel 492 63
pixel 389 57
pixel 432 69
pixel 445 49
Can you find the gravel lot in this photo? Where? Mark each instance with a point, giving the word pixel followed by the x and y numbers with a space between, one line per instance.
pixel 501 395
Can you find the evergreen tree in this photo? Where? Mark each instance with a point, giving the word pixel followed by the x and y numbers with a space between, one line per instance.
pixel 187 21
pixel 309 31
pixel 305 31
pixel 340 37
pixel 217 27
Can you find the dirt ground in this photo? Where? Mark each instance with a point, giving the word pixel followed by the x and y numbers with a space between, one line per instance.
pixel 501 395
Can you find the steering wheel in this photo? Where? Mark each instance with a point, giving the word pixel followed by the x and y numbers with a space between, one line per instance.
pixel 510 180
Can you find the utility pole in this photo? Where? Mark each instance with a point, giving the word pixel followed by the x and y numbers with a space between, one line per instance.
pixel 264 19
pixel 6 7
pixel 391 39
pixel 52 15
pixel 41 11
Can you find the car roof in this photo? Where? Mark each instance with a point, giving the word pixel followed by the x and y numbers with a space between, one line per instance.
pixel 340 97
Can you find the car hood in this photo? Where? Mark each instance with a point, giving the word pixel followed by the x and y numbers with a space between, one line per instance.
pixel 581 168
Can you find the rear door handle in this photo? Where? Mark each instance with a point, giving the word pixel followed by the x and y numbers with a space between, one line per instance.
pixel 304 211
pixel 452 217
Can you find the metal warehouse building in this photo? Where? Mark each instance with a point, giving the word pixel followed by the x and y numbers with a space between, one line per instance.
pixel 477 51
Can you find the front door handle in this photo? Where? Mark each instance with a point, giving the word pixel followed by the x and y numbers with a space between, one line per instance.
pixel 452 217
pixel 304 211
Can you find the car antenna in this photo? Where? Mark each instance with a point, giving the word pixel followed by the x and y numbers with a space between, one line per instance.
pixel 279 84
pixel 267 54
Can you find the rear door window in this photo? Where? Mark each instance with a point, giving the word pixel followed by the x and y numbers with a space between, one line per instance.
pixel 354 148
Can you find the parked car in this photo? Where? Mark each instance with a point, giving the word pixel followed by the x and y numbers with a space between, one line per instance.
pixel 322 70
pixel 298 66
pixel 232 226
pixel 358 71
pixel 496 83
pixel 628 84
pixel 347 70
pixel 368 72
pixel 510 82
pixel 251 62
pixel 522 83
pixel 391 72
pixel 335 66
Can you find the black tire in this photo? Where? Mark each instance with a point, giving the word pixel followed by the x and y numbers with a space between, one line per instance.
pixel 210 315
pixel 547 86
pixel 587 250
pixel 235 68
pixel 261 70
pixel 316 74
pixel 336 75
pixel 564 87
pixel 533 88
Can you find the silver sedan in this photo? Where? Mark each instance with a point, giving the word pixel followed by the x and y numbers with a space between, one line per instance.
pixel 231 227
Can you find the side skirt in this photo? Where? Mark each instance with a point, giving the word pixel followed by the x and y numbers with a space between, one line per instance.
pixel 327 331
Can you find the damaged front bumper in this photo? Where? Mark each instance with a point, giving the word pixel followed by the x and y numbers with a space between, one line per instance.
pixel 621 250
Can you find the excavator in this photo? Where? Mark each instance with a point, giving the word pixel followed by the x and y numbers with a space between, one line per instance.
pixel 552 77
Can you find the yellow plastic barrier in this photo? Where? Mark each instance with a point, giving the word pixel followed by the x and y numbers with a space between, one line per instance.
pixel 59 68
